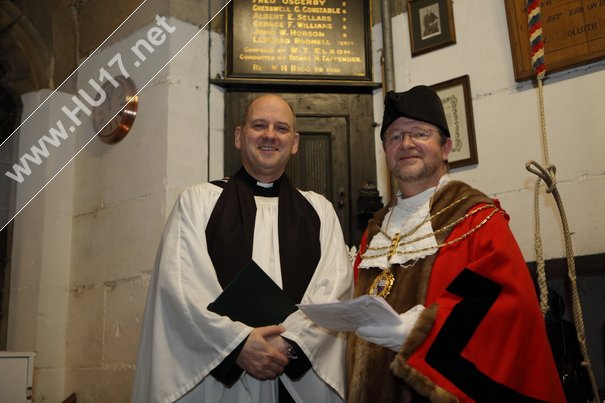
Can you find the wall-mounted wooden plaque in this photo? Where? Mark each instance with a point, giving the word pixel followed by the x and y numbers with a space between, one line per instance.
pixel 299 39
pixel 573 31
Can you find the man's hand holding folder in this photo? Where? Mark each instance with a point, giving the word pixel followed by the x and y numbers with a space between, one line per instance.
pixel 253 298
pixel 264 354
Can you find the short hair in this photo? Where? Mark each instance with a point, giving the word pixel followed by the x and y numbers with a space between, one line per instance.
pixel 249 104
pixel 442 137
pixel 442 140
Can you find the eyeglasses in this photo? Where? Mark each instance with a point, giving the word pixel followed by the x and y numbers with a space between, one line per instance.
pixel 417 136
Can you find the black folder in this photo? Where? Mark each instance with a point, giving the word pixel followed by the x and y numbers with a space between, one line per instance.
pixel 254 299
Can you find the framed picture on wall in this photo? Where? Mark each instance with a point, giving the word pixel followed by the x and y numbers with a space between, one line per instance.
pixel 455 95
pixel 431 25
pixel 573 34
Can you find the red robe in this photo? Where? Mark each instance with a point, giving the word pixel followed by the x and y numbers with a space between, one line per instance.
pixel 482 338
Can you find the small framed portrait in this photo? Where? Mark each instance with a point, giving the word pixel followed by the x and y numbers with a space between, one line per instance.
pixel 455 95
pixel 431 25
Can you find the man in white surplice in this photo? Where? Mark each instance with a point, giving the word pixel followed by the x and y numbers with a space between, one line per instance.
pixel 190 354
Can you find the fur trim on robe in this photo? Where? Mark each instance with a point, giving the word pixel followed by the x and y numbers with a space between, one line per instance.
pixel 376 373
pixel 411 376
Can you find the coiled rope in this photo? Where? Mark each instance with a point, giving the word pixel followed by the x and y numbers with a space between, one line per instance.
pixel 548 175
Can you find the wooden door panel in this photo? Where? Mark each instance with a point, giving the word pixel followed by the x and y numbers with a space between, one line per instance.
pixel 321 164
pixel 337 153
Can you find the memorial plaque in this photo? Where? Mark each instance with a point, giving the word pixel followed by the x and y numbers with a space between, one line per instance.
pixel 299 39
pixel 573 30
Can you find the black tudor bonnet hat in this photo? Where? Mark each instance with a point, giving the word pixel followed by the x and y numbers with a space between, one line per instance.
pixel 419 103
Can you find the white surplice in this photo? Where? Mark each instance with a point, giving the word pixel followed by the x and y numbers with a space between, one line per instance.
pixel 181 341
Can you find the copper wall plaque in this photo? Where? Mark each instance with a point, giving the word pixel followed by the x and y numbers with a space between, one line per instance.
pixel 299 39
pixel 573 31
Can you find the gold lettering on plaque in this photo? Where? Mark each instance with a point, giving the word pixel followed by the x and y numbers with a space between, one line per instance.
pixel 302 37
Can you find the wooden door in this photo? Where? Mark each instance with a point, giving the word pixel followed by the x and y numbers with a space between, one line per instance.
pixel 336 153
pixel 321 164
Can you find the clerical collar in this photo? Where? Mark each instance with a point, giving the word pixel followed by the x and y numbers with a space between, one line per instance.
pixel 260 188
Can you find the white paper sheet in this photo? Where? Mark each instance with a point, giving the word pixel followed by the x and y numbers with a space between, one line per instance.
pixel 349 315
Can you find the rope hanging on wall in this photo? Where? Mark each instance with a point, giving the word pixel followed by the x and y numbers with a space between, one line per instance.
pixel 547 173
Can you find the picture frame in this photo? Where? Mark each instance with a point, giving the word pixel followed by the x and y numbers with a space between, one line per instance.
pixel 289 42
pixel 455 95
pixel 573 35
pixel 431 24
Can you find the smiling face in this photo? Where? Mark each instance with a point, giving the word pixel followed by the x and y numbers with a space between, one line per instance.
pixel 418 164
pixel 267 138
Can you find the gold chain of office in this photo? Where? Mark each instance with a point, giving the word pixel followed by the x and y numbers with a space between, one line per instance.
pixel 396 240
